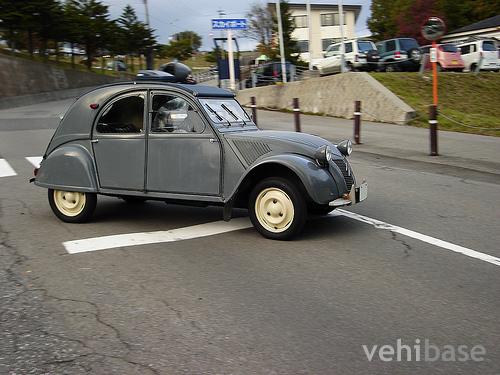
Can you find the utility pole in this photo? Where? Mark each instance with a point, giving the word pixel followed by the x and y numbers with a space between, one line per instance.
pixel 309 26
pixel 282 47
pixel 342 45
pixel 149 50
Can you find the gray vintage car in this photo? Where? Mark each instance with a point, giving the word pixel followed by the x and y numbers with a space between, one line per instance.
pixel 191 144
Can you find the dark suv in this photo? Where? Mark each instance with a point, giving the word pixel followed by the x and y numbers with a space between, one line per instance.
pixel 399 54
pixel 270 73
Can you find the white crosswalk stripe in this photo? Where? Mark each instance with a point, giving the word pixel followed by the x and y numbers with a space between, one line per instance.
pixel 5 169
pixel 35 160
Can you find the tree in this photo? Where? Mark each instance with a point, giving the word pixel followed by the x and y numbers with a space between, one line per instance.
pixel 405 17
pixel 92 26
pixel 134 36
pixel 288 25
pixel 183 45
pixel 261 28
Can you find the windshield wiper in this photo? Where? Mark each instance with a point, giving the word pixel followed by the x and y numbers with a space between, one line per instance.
pixel 219 117
pixel 232 113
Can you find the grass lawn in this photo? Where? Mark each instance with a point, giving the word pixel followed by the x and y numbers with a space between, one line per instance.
pixel 473 100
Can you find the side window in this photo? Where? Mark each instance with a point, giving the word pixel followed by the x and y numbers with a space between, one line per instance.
pixel 126 115
pixel 173 114
pixel 332 50
pixel 473 48
pixel 380 47
pixel 348 47
pixel 390 46
pixel 464 50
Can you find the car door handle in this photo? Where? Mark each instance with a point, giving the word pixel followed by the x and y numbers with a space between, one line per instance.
pixel 213 140
pixel 94 141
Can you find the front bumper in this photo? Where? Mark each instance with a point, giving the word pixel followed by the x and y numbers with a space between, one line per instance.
pixel 356 195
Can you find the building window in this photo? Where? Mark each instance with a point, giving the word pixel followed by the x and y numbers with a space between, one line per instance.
pixel 326 42
pixel 303 46
pixel 300 21
pixel 331 19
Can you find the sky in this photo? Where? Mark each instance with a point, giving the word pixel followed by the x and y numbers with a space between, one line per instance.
pixel 168 17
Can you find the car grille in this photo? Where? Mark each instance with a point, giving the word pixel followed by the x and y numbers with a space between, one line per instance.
pixel 346 172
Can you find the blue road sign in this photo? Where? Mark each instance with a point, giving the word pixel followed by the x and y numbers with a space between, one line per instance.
pixel 229 24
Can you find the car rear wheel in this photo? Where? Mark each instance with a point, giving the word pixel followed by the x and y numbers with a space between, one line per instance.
pixel 72 206
pixel 277 209
pixel 391 67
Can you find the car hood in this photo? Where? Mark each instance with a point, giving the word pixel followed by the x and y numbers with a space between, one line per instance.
pixel 284 141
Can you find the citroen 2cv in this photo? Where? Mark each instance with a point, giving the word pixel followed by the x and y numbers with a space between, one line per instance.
pixel 191 144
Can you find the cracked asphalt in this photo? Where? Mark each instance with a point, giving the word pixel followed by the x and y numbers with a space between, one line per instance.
pixel 236 303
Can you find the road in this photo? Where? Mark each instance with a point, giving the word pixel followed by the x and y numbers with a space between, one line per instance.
pixel 236 303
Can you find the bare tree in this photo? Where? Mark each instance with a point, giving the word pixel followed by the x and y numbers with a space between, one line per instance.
pixel 260 25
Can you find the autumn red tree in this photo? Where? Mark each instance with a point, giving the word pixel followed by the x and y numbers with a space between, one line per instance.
pixel 409 22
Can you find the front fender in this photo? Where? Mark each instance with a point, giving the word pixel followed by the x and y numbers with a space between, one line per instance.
pixel 318 182
pixel 68 167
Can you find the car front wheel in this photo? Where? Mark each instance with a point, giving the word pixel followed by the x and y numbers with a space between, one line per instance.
pixel 72 206
pixel 277 209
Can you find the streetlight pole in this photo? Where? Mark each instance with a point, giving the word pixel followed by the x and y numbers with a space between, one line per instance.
pixel 309 28
pixel 149 50
pixel 342 46
pixel 282 47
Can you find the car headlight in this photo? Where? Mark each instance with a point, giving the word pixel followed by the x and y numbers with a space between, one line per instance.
pixel 323 155
pixel 345 147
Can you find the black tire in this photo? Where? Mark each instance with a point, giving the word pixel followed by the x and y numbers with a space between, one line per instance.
pixel 473 68
pixel 73 212
pixel 391 67
pixel 287 202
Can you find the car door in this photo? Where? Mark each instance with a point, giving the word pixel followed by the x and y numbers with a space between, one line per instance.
pixel 331 62
pixel 183 152
pixel 118 142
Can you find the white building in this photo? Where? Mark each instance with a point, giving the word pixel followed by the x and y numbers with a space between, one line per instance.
pixel 487 28
pixel 325 25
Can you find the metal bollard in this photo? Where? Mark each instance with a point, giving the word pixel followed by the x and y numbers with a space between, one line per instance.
pixel 253 105
pixel 296 114
pixel 433 123
pixel 357 122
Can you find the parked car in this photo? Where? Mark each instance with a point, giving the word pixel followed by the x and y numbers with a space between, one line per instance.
pixel 448 57
pixel 399 54
pixel 269 73
pixel 359 55
pixel 480 51
pixel 195 145
pixel 117 65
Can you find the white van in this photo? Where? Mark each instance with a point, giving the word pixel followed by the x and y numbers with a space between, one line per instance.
pixel 484 51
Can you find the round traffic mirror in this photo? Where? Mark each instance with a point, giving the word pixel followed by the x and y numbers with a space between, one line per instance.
pixel 433 29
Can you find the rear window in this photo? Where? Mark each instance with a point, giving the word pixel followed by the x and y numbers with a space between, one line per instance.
pixel 489 45
pixel 407 44
pixel 449 48
pixel 365 46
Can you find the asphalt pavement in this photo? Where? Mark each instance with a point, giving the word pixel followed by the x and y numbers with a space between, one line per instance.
pixel 409 263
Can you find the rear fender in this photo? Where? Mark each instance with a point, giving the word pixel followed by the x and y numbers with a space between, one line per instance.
pixel 68 167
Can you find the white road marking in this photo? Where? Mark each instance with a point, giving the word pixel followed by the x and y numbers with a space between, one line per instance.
pixel 133 239
pixel 218 227
pixel 419 236
pixel 35 160
pixel 5 169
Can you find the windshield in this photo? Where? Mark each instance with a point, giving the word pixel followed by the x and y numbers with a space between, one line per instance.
pixel 407 44
pixel 489 45
pixel 449 48
pixel 365 46
pixel 225 112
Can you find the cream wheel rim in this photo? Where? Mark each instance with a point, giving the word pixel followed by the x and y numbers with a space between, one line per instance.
pixel 274 210
pixel 69 203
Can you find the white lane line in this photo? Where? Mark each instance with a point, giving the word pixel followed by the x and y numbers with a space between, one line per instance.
pixel 219 227
pixel 35 160
pixel 134 239
pixel 419 236
pixel 5 169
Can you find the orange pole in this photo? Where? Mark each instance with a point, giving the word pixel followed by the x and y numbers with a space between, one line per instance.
pixel 434 78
